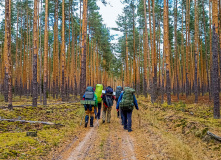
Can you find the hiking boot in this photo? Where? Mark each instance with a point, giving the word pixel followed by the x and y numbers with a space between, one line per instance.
pixel 103 121
pixel 86 120
pixel 130 130
pixel 85 124
pixel 125 128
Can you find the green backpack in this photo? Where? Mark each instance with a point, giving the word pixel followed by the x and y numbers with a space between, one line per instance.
pixel 127 102
pixel 98 92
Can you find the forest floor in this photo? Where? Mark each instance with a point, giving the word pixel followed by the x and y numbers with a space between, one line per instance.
pixel 159 132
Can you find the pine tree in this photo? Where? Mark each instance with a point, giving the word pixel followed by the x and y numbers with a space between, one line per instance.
pixel 84 49
pixel 35 37
pixel 45 54
pixel 216 111
pixel 167 54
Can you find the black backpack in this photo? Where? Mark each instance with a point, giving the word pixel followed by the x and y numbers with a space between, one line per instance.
pixel 119 89
pixel 108 96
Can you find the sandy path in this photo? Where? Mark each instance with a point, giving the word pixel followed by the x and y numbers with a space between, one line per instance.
pixel 81 151
pixel 108 141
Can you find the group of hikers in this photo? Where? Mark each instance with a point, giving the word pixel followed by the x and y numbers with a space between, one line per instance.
pixel 125 100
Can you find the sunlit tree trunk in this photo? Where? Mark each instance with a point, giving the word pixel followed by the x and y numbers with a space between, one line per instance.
pixel 196 53
pixel 126 63
pixel 63 54
pixel 154 59
pixel 16 56
pixel 167 54
pixel 211 54
pixel 8 61
pixel 206 55
pixel 134 51
pixel 84 48
pixel 45 54
pixel 146 51
pixel 175 50
pixel 187 47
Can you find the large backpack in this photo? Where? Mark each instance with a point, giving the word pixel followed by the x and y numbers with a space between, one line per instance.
pixel 89 95
pixel 98 92
pixel 108 96
pixel 119 89
pixel 127 102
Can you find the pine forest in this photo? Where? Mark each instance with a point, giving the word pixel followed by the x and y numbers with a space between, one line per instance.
pixel 167 53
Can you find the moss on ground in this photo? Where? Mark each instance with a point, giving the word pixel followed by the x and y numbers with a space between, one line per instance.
pixel 188 120
pixel 14 144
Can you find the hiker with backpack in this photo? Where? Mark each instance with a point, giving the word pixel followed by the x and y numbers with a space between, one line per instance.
pixel 119 90
pixel 91 97
pixel 126 103
pixel 107 98
pixel 98 92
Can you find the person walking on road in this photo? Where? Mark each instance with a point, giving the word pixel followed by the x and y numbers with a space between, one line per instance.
pixel 108 99
pixel 98 92
pixel 119 90
pixel 126 103
pixel 89 108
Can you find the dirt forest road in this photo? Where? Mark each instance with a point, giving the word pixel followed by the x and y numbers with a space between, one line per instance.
pixel 111 141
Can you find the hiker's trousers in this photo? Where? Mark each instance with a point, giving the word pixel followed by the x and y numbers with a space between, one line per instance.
pixel 99 110
pixel 106 110
pixel 90 113
pixel 127 119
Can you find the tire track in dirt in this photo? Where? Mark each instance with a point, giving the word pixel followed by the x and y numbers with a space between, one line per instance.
pixel 81 151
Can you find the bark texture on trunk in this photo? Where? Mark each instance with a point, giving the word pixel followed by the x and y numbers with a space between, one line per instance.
pixel 35 39
pixel 167 53
pixel 8 62
pixel 84 49
pixel 216 110
pixel 45 54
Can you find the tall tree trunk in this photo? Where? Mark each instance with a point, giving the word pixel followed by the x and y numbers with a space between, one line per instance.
pixel 84 49
pixel 8 61
pixel 40 69
pixel 126 63
pixel 196 52
pixel 216 111
pixel 45 54
pixel 211 53
pixel 154 59
pixel 63 54
pixel 146 51
pixel 187 47
pixel 182 59
pixel 175 50
pixel 167 52
pixel 134 51
pixel 206 49
pixel 35 38
pixel 16 56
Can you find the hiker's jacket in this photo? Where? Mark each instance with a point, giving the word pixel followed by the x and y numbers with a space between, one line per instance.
pixel 120 98
pixel 95 99
pixel 103 97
